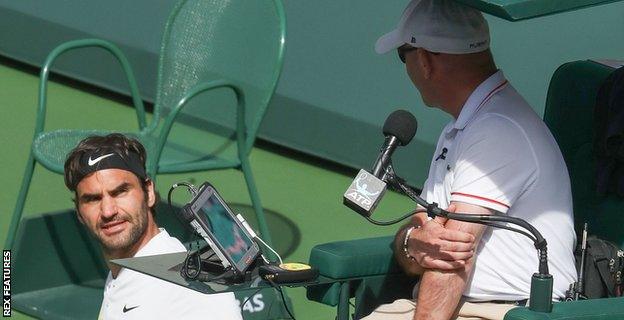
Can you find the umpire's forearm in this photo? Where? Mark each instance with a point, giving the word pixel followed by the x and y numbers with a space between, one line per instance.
pixel 440 292
pixel 409 266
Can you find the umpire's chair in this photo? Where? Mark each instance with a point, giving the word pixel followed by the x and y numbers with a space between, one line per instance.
pixel 365 268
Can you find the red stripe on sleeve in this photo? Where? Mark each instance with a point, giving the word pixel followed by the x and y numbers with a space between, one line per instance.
pixel 480 198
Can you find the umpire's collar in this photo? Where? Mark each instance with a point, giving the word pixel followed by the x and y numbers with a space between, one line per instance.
pixel 479 97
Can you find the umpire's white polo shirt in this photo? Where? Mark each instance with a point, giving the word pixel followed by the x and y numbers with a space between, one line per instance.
pixel 500 155
pixel 133 295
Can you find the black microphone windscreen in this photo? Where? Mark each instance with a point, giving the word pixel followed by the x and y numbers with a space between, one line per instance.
pixel 401 124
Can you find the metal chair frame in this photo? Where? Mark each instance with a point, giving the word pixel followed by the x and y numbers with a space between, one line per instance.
pixel 153 133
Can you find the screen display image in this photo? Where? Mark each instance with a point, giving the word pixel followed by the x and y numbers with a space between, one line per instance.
pixel 225 229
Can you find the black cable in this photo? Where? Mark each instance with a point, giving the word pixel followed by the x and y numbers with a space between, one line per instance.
pixel 502 226
pixel 539 241
pixel 185 271
pixel 466 217
pixel 537 238
pixel 188 186
pixel 198 275
pixel 279 289
pixel 411 213
pixel 170 193
pixel 543 260
pixel 396 182
pixel 210 256
pixel 204 277
pixel 391 222
pixel 169 199
pixel 247 300
pixel 433 210
pixel 186 268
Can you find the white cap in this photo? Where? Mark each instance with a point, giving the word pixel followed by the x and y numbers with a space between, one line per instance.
pixel 438 26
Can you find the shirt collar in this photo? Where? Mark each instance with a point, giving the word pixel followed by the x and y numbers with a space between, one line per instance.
pixel 151 247
pixel 479 97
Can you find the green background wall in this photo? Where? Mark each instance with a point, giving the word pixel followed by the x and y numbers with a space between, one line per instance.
pixel 335 92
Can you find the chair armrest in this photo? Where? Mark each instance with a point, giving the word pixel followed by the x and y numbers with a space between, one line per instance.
pixel 364 269
pixel 355 258
pixel 594 309
pixel 85 43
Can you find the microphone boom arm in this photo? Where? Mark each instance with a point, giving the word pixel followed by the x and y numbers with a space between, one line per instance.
pixel 390 143
pixel 433 210
pixel 541 283
pixel 399 129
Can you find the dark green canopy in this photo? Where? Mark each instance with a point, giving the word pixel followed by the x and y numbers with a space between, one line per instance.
pixel 514 10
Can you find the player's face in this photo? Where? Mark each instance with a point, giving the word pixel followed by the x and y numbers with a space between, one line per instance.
pixel 112 204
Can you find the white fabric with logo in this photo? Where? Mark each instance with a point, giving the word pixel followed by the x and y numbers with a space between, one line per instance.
pixel 500 155
pixel 133 295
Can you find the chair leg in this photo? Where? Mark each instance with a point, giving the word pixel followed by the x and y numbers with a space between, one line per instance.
pixel 343 301
pixel 255 201
pixel 21 201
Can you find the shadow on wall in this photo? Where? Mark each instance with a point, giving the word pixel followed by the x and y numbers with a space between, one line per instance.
pixel 341 138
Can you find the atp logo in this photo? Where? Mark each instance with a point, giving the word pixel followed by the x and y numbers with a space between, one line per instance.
pixel 360 193
pixel 365 191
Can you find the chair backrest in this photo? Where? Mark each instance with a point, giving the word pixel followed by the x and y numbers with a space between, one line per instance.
pixel 236 40
pixel 569 114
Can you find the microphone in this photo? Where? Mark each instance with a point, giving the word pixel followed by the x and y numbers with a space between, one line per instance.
pixel 399 129
pixel 367 189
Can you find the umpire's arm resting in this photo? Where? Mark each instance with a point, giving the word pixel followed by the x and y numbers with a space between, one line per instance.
pixel 443 253
pixel 432 246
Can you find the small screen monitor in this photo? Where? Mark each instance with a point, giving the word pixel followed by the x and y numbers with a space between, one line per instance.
pixel 228 237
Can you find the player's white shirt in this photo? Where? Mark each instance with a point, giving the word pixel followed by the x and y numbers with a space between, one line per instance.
pixel 500 155
pixel 133 295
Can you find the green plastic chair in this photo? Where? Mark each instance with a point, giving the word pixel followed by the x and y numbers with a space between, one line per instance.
pixel 219 64
pixel 365 269
pixel 569 114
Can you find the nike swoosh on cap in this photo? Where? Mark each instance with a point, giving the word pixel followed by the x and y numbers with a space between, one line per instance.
pixel 98 159
pixel 126 309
